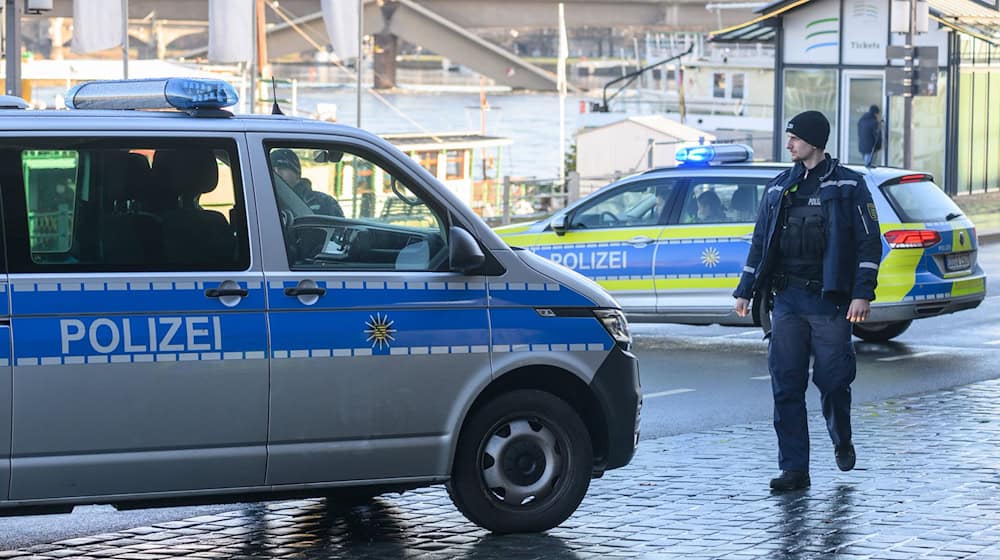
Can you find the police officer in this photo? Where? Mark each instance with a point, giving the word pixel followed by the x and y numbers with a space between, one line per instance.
pixel 288 168
pixel 816 250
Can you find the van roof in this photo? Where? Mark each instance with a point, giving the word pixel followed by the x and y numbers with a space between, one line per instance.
pixel 16 120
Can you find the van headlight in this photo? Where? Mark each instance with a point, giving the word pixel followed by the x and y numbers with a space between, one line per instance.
pixel 617 326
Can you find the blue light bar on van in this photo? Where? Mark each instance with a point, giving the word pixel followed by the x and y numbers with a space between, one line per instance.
pixel 716 153
pixel 167 93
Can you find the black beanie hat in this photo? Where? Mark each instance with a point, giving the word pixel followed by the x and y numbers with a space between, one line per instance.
pixel 283 157
pixel 810 126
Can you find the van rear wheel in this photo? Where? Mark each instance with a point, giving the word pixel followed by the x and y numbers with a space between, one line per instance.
pixel 880 332
pixel 523 463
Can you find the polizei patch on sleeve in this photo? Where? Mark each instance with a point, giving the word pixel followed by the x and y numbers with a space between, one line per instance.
pixel 871 211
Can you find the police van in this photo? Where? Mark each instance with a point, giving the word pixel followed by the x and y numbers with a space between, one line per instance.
pixel 181 324
pixel 671 243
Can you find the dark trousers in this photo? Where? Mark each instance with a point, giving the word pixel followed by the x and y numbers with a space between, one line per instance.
pixel 805 325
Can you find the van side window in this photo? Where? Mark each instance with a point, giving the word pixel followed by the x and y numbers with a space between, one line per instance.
pixel 50 187
pixel 342 211
pixel 124 205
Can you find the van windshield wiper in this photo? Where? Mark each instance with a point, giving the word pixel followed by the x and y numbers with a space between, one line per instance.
pixel 952 216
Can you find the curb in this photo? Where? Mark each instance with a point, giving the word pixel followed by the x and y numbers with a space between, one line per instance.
pixel 989 237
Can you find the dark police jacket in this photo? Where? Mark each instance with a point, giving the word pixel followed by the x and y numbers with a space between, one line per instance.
pixel 853 241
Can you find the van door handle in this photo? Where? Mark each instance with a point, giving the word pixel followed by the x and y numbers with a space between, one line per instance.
pixel 640 240
pixel 296 291
pixel 226 292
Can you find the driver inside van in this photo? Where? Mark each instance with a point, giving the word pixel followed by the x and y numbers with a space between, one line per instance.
pixel 288 169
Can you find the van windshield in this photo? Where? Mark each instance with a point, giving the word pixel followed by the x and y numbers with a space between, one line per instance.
pixel 920 201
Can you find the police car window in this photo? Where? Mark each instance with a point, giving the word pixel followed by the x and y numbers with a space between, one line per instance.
pixel 632 206
pixel 125 205
pixel 342 211
pixel 920 201
pixel 719 202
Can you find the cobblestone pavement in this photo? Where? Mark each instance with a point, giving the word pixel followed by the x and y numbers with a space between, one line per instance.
pixel 927 486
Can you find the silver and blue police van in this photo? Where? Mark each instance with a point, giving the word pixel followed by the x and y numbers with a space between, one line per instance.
pixel 199 307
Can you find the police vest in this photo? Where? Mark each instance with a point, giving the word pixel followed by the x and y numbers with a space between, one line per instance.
pixel 803 235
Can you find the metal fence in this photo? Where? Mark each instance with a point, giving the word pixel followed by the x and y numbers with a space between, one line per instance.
pixel 524 200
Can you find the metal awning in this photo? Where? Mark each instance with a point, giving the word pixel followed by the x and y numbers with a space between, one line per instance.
pixel 968 17
pixel 964 16
pixel 760 29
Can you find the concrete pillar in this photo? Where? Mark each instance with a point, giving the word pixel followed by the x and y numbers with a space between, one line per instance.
pixel 386 45
pixel 158 40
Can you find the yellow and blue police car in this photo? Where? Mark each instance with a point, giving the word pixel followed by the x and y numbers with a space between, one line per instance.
pixel 670 243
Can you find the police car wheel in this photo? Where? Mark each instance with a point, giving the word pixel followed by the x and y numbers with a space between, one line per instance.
pixel 880 332
pixel 523 463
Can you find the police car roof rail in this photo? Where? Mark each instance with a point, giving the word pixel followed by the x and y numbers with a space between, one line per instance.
pixel 199 97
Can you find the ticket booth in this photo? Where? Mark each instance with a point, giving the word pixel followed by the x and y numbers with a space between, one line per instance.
pixel 833 56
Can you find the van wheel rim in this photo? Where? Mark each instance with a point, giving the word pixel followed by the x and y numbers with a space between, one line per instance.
pixel 521 461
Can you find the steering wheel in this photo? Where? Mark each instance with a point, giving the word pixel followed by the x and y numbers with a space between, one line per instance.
pixel 613 219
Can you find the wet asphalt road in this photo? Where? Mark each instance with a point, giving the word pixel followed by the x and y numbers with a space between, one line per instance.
pixel 694 379
pixel 697 378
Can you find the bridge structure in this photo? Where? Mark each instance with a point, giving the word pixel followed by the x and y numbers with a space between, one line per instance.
pixel 450 28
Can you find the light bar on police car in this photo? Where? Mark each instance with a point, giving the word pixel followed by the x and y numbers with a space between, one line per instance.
pixel 166 93
pixel 715 153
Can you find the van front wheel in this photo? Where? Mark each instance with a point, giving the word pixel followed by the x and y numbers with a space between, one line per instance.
pixel 523 463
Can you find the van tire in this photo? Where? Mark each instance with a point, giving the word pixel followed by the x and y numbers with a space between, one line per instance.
pixel 549 436
pixel 880 332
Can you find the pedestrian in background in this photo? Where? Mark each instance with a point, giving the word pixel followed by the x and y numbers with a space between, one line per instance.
pixel 870 134
pixel 816 251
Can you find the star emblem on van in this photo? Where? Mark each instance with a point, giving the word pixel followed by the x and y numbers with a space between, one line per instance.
pixel 379 330
pixel 710 257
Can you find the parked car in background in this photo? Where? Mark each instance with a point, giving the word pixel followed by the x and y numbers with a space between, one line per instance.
pixel 670 243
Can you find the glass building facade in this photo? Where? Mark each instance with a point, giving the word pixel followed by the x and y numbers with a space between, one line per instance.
pixel 978 118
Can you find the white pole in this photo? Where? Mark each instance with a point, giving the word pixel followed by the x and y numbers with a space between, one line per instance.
pixel 561 82
pixel 125 39
pixel 253 63
pixel 359 61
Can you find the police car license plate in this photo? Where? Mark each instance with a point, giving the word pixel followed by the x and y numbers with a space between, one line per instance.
pixel 957 261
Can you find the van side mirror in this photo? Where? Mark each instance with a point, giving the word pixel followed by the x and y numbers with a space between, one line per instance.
pixel 464 253
pixel 559 224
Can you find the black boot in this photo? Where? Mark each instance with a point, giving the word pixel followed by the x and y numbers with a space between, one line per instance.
pixel 790 480
pixel 845 456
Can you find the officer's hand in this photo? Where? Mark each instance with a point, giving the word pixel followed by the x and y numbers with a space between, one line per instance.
pixel 858 310
pixel 742 306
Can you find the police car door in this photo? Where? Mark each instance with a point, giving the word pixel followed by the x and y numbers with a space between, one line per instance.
pixel 140 344
pixel 373 340
pixel 704 248
pixel 611 239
